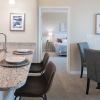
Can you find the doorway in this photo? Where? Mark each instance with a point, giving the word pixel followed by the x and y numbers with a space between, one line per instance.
pixel 54 32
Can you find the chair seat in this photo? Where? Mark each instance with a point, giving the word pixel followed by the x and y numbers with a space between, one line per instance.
pixel 34 87
pixel 36 68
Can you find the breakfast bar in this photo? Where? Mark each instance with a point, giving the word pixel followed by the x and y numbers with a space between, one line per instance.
pixel 12 78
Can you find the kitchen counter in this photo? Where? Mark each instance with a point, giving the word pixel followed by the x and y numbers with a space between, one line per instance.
pixel 12 78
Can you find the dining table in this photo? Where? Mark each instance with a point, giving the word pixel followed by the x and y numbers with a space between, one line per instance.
pixel 13 77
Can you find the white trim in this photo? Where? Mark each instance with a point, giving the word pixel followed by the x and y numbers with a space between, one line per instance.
pixel 55 10
pixel 68 49
pixel 75 72
pixel 53 7
pixel 37 39
pixel 68 32
pixel 78 72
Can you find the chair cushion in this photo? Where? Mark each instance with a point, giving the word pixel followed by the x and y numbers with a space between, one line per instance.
pixel 36 68
pixel 34 87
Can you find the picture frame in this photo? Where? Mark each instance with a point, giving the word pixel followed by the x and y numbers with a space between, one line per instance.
pixel 17 21
pixel 98 24
pixel 62 27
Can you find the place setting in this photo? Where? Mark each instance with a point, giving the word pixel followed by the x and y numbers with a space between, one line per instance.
pixel 22 52
pixel 14 61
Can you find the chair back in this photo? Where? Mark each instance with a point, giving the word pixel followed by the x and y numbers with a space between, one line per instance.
pixel 82 46
pixel 49 74
pixel 45 59
pixel 93 64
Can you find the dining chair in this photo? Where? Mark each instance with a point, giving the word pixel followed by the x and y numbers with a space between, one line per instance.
pixel 93 66
pixel 82 46
pixel 37 86
pixel 39 67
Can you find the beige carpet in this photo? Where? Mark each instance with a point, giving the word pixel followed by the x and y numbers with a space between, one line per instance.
pixel 69 87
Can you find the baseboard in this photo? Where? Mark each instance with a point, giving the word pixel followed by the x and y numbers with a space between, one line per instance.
pixel 77 72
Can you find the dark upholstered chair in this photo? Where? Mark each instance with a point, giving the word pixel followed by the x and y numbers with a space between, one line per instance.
pixel 39 67
pixel 93 66
pixel 82 46
pixel 37 86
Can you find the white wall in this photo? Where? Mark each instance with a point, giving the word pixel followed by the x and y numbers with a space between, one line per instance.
pixel 52 22
pixel 29 7
pixel 82 24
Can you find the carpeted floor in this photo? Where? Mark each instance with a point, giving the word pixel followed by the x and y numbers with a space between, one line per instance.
pixel 69 87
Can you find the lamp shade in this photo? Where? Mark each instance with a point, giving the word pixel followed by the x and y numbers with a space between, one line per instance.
pixel 50 33
pixel 50 36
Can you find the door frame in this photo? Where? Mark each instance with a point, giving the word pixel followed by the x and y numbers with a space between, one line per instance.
pixel 54 9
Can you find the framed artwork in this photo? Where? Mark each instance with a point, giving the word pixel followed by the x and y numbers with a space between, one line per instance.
pixel 62 27
pixel 97 23
pixel 17 21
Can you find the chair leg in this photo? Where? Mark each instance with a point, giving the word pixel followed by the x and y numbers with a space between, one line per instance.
pixel 81 72
pixel 15 98
pixel 88 84
pixel 19 98
pixel 44 97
